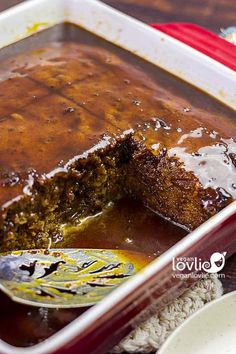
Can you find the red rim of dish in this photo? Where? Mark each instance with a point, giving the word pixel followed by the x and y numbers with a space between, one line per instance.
pixel 202 40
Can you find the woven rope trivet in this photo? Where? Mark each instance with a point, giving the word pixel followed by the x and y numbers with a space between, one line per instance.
pixel 150 335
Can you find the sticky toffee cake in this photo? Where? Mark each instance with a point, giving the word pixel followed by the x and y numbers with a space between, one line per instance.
pixel 84 123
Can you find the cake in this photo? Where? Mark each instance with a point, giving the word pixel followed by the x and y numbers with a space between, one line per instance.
pixel 84 123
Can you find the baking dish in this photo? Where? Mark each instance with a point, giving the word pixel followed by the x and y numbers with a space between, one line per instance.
pixel 103 325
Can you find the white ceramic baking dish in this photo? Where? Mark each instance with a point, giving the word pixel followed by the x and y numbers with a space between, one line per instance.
pixel 102 326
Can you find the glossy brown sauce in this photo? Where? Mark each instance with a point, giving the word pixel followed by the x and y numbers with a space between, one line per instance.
pixel 78 87
pixel 124 225
pixel 127 225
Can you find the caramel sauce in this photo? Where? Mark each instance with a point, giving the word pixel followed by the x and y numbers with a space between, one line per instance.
pixel 125 225
pixel 77 87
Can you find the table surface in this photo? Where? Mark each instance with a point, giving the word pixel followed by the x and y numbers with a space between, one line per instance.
pixel 211 14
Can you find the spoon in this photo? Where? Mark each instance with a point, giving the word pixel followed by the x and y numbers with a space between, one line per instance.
pixel 66 278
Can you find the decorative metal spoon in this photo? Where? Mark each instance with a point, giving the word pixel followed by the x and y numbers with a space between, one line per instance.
pixel 66 278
